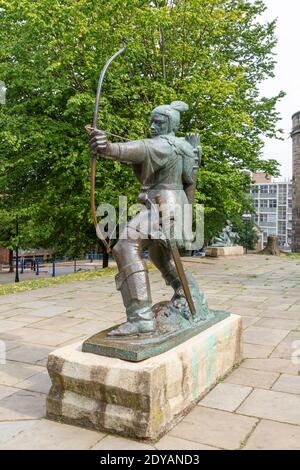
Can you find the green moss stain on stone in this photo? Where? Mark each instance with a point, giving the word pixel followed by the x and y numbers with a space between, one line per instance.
pixel 195 372
pixel 157 416
pixel 210 361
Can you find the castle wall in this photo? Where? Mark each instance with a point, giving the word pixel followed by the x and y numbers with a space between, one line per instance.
pixel 296 183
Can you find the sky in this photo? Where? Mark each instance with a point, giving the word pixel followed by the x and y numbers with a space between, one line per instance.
pixel 287 77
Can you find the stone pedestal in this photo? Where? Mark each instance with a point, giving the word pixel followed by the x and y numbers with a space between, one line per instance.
pixel 145 399
pixel 218 251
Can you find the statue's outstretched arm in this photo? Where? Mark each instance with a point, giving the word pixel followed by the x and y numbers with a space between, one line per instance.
pixel 130 152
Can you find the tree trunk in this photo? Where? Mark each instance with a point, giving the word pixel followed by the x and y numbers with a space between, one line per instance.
pixel 105 259
pixel 11 261
pixel 271 248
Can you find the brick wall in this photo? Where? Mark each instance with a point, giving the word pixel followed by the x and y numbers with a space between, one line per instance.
pixel 4 256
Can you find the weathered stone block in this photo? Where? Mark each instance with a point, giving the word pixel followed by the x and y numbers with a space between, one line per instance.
pixel 145 399
pixel 217 251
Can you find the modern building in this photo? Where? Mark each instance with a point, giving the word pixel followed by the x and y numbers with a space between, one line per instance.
pixel 272 202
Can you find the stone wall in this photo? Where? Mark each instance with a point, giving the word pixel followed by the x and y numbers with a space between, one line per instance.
pixel 296 183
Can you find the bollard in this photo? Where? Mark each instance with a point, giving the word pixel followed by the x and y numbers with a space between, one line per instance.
pixel 53 268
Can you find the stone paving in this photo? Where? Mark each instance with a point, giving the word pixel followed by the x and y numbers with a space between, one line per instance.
pixel 257 406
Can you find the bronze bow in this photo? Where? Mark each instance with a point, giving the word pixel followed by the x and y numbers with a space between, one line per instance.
pixel 94 158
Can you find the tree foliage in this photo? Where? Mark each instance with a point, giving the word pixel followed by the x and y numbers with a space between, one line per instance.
pixel 210 53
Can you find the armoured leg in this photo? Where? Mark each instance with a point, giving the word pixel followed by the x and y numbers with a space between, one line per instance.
pixel 133 282
pixel 161 256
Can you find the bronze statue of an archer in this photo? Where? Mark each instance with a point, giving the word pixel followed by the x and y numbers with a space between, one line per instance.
pixel 165 166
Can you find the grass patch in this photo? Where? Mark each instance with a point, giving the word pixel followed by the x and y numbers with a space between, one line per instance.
pixel 293 256
pixel 32 284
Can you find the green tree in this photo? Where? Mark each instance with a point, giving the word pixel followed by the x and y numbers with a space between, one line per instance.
pixel 211 53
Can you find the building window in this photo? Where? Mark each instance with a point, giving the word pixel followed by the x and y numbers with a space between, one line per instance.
pixel 272 189
pixel 281 227
pixel 256 203
pixel 271 217
pixel 264 203
pixel 282 213
pixel 263 218
pixel 272 203
pixel 281 241
pixel 264 189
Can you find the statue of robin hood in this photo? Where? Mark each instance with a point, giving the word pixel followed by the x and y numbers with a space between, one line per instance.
pixel 165 166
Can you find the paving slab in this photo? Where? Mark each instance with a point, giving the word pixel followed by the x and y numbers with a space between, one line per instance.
pixel 272 405
pixel 5 391
pixel 214 427
pixel 291 314
pixel 10 429
pixel 62 323
pixel 22 404
pixel 253 378
pixel 40 383
pixel 20 315
pixel 256 351
pixel 48 311
pixel 295 309
pixel 8 325
pixel 272 364
pixel 42 337
pixel 119 443
pixel 269 435
pixel 47 435
pixel 289 346
pixel 226 396
pixel 35 304
pixel 13 372
pixel 249 321
pixel 90 327
pixel 29 353
pixel 277 323
pixel 287 383
pixel 264 336
pixel 170 443
pixel 4 307
pixel 9 344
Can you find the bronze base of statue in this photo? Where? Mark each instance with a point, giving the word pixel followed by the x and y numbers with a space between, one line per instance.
pixel 171 330
pixel 174 324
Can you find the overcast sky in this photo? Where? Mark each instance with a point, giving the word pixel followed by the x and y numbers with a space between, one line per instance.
pixel 287 77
